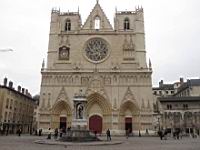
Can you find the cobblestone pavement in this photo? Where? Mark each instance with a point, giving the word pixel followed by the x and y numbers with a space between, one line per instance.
pixel 26 142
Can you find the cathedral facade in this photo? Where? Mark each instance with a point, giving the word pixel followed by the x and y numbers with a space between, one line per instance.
pixel 105 64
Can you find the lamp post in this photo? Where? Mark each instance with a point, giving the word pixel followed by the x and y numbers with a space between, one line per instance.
pixel 158 123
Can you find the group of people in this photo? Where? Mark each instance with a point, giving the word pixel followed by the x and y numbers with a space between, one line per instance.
pixel 57 132
pixel 163 134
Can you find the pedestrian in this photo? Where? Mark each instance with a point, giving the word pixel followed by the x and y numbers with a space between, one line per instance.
pixel 160 134
pixel 49 134
pixel 19 131
pixel 36 133
pixel 95 133
pixel 56 133
pixel 147 132
pixel 61 132
pixel 108 135
pixel 127 133
pixel 139 134
pixel 40 132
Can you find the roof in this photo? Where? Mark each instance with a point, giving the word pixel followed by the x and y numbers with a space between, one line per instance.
pixel 194 82
pixel 17 92
pixel 188 84
pixel 164 87
pixel 179 99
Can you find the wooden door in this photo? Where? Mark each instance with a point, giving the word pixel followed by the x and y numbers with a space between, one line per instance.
pixel 95 123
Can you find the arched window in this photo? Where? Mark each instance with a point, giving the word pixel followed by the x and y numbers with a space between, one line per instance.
pixel 68 25
pixel 97 23
pixel 126 24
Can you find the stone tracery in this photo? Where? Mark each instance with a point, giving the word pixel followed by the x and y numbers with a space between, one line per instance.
pixel 96 49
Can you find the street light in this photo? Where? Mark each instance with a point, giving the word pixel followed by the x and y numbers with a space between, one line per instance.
pixel 158 123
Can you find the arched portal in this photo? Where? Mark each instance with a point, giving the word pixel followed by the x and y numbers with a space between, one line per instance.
pixel 98 106
pixel 128 124
pixel 61 115
pixel 95 123
pixel 129 116
pixel 63 122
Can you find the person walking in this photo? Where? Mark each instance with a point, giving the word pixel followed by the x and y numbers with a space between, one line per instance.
pixel 19 131
pixel 40 132
pixel 56 133
pixel 108 135
pixel 49 134
pixel 127 133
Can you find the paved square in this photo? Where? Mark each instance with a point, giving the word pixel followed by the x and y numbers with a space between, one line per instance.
pixel 26 142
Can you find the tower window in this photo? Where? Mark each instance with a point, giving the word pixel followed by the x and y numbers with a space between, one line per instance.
pixel 126 24
pixel 185 106
pixel 169 106
pixel 68 25
pixel 97 23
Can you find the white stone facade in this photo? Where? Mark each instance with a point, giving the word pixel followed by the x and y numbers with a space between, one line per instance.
pixel 113 76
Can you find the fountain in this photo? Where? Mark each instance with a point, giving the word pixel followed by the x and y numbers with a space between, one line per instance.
pixel 79 131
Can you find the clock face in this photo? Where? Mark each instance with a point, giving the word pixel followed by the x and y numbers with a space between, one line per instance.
pixel 96 49
pixel 64 53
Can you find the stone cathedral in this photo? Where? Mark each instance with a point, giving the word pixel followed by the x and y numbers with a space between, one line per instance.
pixel 104 63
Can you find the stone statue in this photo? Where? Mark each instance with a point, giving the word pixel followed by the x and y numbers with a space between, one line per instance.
pixel 80 111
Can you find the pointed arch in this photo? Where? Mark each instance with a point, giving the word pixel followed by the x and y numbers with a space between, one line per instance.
pixel 128 111
pixel 97 22
pixel 129 96
pixel 62 96
pixel 126 23
pixel 104 104
pixel 61 110
pixel 61 105
pixel 97 10
pixel 102 108
pixel 129 105
pixel 68 25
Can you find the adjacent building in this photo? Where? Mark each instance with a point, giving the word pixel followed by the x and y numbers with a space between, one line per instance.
pixel 181 109
pixel 107 64
pixel 16 109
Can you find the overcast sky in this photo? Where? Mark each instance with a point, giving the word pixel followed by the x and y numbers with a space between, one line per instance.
pixel 172 36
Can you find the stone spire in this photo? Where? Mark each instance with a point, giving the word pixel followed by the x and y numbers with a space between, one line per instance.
pixel 43 64
pixel 150 66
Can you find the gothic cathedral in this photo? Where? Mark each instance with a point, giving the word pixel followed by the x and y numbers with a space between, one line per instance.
pixel 106 64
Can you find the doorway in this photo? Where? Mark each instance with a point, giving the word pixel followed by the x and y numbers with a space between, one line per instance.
pixel 128 124
pixel 63 123
pixel 95 124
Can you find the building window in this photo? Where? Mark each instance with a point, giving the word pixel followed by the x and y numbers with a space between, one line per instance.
pixel 97 23
pixel 166 92
pixel 5 117
pixel 126 24
pixel 11 103
pixel 155 92
pixel 15 106
pixel 9 117
pixel 160 92
pixel 7 103
pixel 68 25
pixel 172 92
pixel 185 106
pixel 169 106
